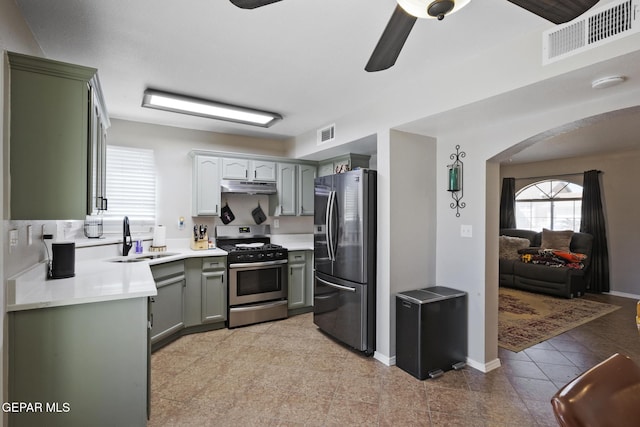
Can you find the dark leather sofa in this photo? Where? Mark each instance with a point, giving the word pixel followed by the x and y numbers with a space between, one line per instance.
pixel 558 281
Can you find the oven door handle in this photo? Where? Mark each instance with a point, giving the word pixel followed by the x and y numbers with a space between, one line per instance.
pixel 333 285
pixel 260 306
pixel 258 264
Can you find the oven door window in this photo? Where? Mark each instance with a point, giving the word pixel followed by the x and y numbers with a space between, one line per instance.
pixel 251 282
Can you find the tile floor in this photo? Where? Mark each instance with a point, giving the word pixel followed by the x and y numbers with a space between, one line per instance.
pixel 288 373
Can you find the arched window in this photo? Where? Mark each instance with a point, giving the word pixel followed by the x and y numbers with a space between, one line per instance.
pixel 551 204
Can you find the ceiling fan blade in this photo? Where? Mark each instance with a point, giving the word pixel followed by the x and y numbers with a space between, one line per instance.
pixel 391 41
pixel 252 4
pixel 556 11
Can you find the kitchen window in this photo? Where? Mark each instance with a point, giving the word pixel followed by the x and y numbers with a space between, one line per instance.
pixel 551 204
pixel 131 186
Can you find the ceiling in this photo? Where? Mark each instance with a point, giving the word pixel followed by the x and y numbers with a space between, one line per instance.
pixel 303 59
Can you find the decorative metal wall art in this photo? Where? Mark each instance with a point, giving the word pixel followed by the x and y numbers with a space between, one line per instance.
pixel 455 184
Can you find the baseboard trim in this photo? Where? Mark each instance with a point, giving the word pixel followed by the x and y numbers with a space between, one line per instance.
pixel 623 294
pixel 484 367
pixel 389 361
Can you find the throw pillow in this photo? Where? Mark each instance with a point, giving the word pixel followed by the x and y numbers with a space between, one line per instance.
pixel 509 246
pixel 560 240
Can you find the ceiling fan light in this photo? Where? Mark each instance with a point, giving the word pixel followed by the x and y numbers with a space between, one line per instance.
pixel 422 8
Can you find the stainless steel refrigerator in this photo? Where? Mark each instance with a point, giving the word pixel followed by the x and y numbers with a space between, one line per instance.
pixel 345 258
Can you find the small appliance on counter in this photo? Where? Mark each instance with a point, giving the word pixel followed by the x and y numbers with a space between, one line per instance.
pixel 200 240
pixel 63 263
pixel 159 243
pixel 93 227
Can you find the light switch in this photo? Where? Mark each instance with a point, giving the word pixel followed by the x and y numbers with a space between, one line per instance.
pixel 466 231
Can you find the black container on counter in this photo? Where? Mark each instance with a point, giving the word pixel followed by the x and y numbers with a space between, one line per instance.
pixel 64 260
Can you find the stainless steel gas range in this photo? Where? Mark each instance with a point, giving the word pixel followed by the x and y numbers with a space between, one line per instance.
pixel 257 271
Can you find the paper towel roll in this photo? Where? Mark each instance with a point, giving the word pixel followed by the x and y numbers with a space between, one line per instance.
pixel 159 236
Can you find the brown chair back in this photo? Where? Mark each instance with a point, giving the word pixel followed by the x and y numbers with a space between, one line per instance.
pixel 606 395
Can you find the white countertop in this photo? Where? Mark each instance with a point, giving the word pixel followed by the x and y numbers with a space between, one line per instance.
pixel 96 280
pixel 102 279
pixel 294 242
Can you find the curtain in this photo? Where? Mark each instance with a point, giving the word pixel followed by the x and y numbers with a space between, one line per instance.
pixel 592 222
pixel 508 203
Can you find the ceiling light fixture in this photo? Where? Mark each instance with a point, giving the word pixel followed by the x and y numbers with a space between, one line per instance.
pixel 607 82
pixel 205 108
pixel 432 8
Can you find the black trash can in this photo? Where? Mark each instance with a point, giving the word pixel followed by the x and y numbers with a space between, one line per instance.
pixel 431 331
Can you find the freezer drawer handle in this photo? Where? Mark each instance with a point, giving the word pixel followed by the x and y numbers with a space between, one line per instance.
pixel 333 285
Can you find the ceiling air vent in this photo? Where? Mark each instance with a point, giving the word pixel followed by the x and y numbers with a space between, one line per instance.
pixel 326 134
pixel 595 27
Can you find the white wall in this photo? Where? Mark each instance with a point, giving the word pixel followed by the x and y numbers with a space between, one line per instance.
pixel 470 264
pixel 621 203
pixel 406 227
pixel 171 148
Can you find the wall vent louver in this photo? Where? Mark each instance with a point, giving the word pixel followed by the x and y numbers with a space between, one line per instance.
pixel 595 27
pixel 326 134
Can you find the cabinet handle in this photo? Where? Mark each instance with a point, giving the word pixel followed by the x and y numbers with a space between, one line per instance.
pixel 255 174
pixel 246 174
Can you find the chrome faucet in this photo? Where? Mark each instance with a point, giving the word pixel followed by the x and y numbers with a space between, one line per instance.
pixel 126 232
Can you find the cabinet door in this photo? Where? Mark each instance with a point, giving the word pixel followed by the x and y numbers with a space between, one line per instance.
pixel 168 308
pixel 297 279
pixel 306 179
pixel 206 186
pixel 49 146
pixel 235 169
pixel 214 297
pixel 286 189
pixel 326 169
pixel 264 171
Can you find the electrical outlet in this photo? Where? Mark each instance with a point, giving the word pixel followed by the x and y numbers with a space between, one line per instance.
pixel 466 231
pixel 276 223
pixel 13 239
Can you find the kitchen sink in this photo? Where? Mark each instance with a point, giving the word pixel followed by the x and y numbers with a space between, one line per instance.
pixel 156 256
pixel 141 258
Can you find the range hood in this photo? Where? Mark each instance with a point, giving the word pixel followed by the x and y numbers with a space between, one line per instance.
pixel 247 187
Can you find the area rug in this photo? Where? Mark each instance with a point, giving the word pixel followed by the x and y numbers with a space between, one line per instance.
pixel 525 319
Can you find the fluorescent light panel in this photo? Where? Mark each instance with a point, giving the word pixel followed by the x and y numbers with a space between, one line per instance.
pixel 205 108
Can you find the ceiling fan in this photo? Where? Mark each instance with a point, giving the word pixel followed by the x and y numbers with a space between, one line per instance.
pixel 408 11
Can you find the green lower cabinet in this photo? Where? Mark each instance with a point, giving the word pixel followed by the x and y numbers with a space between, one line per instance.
pixel 167 307
pixel 79 365
pixel 214 291
pixel 206 295
pixel 300 265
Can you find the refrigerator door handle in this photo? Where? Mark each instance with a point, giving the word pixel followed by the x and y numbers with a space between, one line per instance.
pixel 334 224
pixel 333 285
pixel 327 230
pixel 329 225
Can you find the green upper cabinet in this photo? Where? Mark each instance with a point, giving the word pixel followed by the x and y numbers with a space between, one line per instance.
pixel 51 113
pixel 343 163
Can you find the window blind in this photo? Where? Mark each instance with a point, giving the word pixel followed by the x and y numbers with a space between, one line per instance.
pixel 131 183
